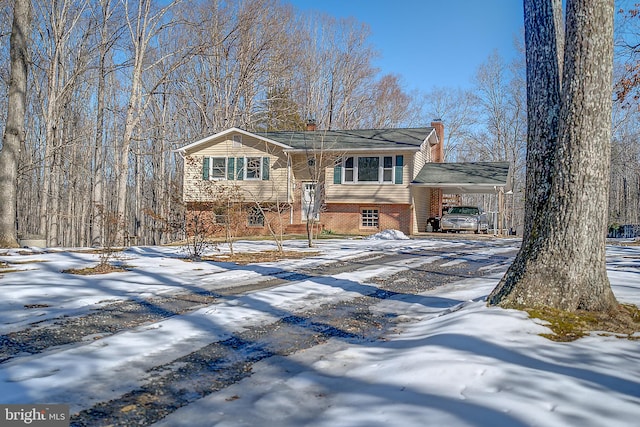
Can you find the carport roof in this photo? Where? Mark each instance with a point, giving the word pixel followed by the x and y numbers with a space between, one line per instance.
pixel 473 177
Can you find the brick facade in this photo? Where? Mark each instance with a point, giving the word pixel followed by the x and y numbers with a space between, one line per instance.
pixel 437 151
pixel 347 217
pixel 435 202
pixel 343 218
pixel 437 156
pixel 200 218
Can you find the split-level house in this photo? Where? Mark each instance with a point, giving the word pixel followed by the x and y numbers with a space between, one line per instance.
pixel 342 181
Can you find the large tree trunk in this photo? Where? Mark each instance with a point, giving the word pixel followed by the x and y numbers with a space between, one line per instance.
pixel 562 261
pixel 543 59
pixel 14 130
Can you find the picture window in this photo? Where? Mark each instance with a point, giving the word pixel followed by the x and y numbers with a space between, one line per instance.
pixel 371 169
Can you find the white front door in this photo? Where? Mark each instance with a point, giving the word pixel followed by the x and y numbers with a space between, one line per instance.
pixel 310 202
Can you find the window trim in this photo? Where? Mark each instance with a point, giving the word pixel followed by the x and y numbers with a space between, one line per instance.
pixel 343 170
pixel 352 169
pixel 384 169
pixel 221 216
pixel 208 165
pixel 374 211
pixel 236 168
pixel 246 168
pixel 211 168
pixel 255 212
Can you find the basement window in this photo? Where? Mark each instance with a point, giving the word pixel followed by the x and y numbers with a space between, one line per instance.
pixel 255 217
pixel 369 218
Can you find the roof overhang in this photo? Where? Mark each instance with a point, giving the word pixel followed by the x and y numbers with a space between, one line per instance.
pixel 352 150
pixel 233 130
pixel 432 138
pixel 474 177
pixel 455 188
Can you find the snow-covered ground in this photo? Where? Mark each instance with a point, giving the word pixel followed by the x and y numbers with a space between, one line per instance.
pixel 451 361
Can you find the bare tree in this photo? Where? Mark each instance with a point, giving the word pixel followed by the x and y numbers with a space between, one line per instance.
pixel 389 105
pixel 107 35
pixel 144 23
pixel 335 71
pixel 455 108
pixel 500 107
pixel 501 111
pixel 628 82
pixel 63 49
pixel 562 262
pixel 624 195
pixel 14 130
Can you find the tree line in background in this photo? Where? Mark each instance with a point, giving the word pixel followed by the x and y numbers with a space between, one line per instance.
pixel 115 85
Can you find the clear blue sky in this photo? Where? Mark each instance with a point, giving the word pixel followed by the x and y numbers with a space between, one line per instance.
pixel 432 42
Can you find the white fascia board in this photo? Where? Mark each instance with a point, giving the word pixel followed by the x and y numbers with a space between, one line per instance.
pixel 353 150
pixel 461 188
pixel 433 136
pixel 457 184
pixel 227 132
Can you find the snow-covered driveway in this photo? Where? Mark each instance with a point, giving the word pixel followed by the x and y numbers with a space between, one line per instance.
pixel 444 355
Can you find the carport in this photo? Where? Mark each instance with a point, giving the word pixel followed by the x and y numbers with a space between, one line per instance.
pixel 459 178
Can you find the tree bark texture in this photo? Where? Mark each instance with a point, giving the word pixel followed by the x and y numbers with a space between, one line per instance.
pixel 14 131
pixel 562 261
pixel 543 104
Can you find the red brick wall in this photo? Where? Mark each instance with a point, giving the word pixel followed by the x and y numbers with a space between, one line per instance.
pixel 435 202
pixel 345 217
pixel 437 151
pixel 437 155
pixel 337 217
pixel 200 217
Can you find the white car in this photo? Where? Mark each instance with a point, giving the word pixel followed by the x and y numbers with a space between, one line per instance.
pixel 464 218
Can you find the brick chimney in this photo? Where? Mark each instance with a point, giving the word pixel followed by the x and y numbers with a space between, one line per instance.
pixel 437 151
pixel 437 156
pixel 311 125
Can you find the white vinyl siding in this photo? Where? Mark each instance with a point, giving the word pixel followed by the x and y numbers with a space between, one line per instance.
pixel 237 141
pixel 272 185
pixel 339 190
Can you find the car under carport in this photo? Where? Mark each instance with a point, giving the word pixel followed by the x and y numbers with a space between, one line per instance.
pixel 462 178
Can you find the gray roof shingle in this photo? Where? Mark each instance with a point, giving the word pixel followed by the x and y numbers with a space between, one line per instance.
pixel 410 138
pixel 483 174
